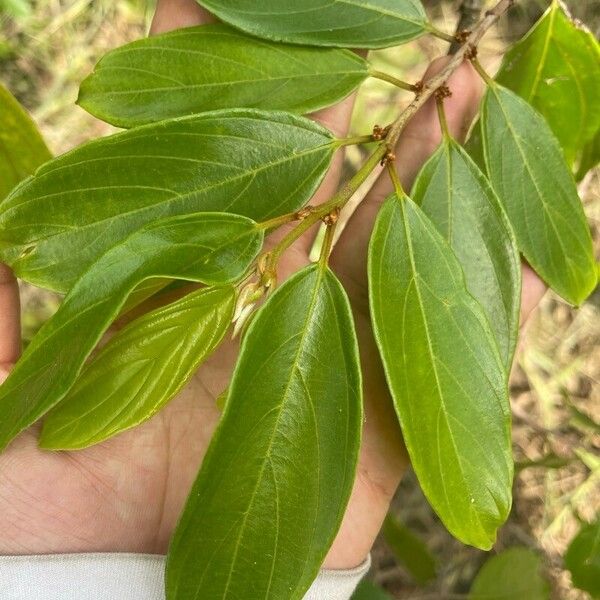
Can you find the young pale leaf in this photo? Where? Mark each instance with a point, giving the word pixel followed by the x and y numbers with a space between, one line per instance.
pixel 212 248
pixel 528 172
pixel 140 370
pixel 460 202
pixel 556 68
pixel 21 144
pixel 275 481
pixel 214 66
pixel 583 559
pixel 444 371
pixel 512 575
pixel 255 163
pixel 409 550
pixel 345 23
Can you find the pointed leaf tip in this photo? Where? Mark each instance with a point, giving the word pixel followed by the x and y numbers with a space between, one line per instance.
pixel 213 67
pixel 275 481
pixel 361 23
pixel 528 172
pixel 444 371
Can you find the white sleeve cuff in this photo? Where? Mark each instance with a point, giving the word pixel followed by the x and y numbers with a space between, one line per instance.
pixel 124 576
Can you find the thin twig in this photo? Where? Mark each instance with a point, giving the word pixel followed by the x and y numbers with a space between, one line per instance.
pixel 431 85
pixel 384 154
pixel 404 85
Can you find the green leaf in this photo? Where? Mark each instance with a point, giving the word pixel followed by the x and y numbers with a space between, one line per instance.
pixel 214 66
pixel 512 575
pixel 22 148
pixel 409 550
pixel 556 68
pixel 212 248
pixel 444 371
pixel 255 163
pixel 474 146
pixel 275 481
pixel 528 172
pixel 140 370
pixel 582 559
pixel 460 202
pixel 345 23
pixel 367 590
pixel 144 291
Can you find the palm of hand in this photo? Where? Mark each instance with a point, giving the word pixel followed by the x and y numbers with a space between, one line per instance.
pixel 127 493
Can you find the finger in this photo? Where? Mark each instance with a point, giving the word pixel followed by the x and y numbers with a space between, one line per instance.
pixel 173 14
pixel 423 133
pixel 533 291
pixel 337 120
pixel 10 323
pixel 418 141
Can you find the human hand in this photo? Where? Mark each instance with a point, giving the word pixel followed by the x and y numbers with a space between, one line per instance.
pixel 127 493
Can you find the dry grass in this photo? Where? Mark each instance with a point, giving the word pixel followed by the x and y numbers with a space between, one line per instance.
pixel 43 58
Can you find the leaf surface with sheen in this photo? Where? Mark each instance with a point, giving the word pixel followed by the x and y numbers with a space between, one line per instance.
pixel 528 172
pixel 511 575
pixel 445 374
pixel 211 248
pixel 22 149
pixel 275 481
pixel 140 369
pixel 456 196
pixel 254 163
pixel 343 23
pixel 556 68
pixel 211 67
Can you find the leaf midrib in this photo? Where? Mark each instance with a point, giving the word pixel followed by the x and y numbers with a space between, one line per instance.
pixel 540 195
pixel 542 62
pixel 429 347
pixel 293 369
pixel 126 284
pixel 228 83
pixel 250 174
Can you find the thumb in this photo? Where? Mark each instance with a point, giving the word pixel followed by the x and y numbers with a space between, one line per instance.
pixel 173 14
pixel 10 323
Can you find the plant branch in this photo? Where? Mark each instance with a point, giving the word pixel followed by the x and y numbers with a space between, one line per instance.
pixel 431 85
pixel 395 180
pixel 355 140
pixel 442 118
pixel 469 12
pixel 384 152
pixel 335 203
pixel 440 34
pixel 328 241
pixel 403 85
pixel 482 72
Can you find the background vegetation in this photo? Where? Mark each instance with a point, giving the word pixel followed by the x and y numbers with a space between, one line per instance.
pixel 46 49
